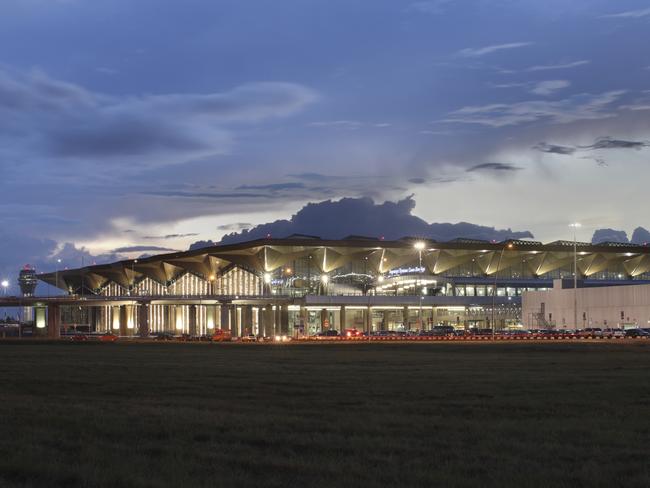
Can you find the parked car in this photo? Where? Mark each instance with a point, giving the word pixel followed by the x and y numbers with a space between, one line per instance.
pixel 636 333
pixel 591 332
pixel 220 335
pixel 475 331
pixel 163 336
pixel 108 337
pixel 328 333
pixel 249 338
pixel 442 330
pixel 352 333
pixel 516 332
pixel 614 332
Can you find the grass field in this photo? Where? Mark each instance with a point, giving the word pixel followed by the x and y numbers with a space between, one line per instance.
pixel 347 415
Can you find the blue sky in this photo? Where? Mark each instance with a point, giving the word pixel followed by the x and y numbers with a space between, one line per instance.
pixel 159 123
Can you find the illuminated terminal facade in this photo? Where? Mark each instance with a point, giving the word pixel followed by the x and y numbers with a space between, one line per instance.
pixel 301 285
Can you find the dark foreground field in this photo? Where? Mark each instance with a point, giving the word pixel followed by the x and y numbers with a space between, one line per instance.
pixel 351 415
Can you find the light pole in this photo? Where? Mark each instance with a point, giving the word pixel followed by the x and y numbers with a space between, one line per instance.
pixel 419 246
pixel 575 226
pixel 494 290
pixel 5 285
pixel 132 290
pixel 58 264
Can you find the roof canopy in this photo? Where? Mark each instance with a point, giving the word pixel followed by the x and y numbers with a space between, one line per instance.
pixel 267 255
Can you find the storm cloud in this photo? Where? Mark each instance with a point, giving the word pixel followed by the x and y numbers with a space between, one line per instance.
pixel 362 216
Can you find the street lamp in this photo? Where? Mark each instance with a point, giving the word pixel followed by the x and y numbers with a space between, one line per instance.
pixel 133 263
pixel 5 285
pixel 58 261
pixel 494 290
pixel 575 226
pixel 419 247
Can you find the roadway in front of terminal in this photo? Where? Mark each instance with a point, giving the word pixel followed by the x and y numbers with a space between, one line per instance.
pixel 284 340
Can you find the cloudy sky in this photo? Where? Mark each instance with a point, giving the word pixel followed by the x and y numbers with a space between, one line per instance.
pixel 129 126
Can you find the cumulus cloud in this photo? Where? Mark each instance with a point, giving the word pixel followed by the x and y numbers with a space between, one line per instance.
pixel 549 87
pixel 482 51
pixel 52 118
pixel 640 236
pixel 574 108
pixel 609 235
pixel 493 167
pixel 362 216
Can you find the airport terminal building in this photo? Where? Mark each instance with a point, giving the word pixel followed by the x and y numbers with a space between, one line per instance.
pixel 300 285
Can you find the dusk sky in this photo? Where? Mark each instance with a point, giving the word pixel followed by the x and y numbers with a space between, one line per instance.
pixel 156 123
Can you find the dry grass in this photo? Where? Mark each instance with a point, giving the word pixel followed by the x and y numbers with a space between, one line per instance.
pixel 371 415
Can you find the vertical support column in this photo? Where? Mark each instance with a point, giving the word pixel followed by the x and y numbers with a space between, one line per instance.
pixel 90 313
pixel 191 326
pixel 368 317
pixel 234 325
pixel 246 320
pixel 284 319
pixel 54 321
pixel 169 318
pixel 40 320
pixel 324 319
pixel 269 330
pixel 143 319
pixel 224 322
pixel 179 320
pixel 342 320
pixel 277 330
pixel 124 317
pixel 405 318
pixel 385 320
pixel 304 320
pixel 210 317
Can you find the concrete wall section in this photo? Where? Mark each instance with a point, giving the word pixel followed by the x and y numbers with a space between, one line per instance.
pixel 611 306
